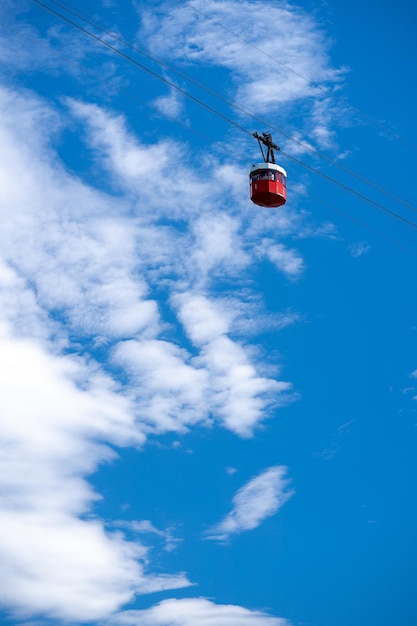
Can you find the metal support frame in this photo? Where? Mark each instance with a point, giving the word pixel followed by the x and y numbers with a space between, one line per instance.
pixel 266 139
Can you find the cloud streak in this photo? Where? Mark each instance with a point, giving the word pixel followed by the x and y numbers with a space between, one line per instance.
pixel 260 498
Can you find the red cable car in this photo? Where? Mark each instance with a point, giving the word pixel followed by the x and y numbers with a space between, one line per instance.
pixel 268 181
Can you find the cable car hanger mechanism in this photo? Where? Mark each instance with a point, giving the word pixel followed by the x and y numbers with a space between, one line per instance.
pixel 266 139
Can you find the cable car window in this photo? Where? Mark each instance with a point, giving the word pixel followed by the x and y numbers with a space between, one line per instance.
pixel 281 178
pixel 269 175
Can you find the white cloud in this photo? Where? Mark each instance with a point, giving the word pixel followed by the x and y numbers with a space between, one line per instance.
pixel 358 249
pixel 414 374
pixel 54 226
pixel 260 498
pixel 56 416
pixel 287 260
pixel 170 106
pixel 196 612
pixel 143 526
pixel 171 391
pixel 326 230
pixel 128 159
pixel 238 395
pixel 133 167
pixel 217 247
pixel 220 381
pixel 257 80
pixel 146 527
pixel 204 320
pixel 241 395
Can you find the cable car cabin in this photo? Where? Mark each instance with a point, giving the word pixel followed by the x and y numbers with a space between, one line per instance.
pixel 268 184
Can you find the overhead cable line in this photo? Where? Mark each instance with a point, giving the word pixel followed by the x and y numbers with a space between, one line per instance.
pixel 325 90
pixel 135 98
pixel 246 111
pixel 107 81
pixel 351 190
pixel 222 116
pixel 141 66
pixel 350 217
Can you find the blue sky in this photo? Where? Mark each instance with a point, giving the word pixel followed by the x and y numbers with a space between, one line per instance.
pixel 208 409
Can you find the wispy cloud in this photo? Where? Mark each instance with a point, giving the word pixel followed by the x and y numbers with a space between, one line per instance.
pixel 329 452
pixel 145 527
pixel 345 428
pixel 260 498
pixel 261 82
pixel 287 260
pixel 358 249
pixel 170 106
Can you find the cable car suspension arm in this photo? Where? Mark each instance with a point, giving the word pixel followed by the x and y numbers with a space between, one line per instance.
pixel 266 139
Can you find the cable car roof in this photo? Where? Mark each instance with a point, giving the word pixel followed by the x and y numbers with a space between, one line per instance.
pixel 268 166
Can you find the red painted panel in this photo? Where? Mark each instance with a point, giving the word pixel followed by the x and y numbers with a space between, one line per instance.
pixel 269 193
